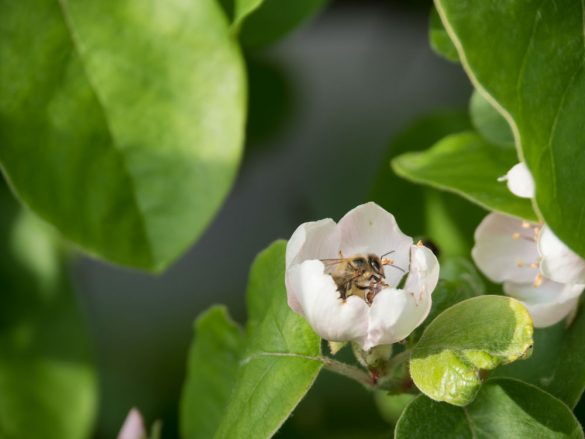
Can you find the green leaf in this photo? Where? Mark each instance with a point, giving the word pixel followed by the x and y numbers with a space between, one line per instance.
pixel 440 41
pixel 510 50
pixel 557 364
pixel 467 165
pixel 130 138
pixel 281 361
pixel 213 364
pixel 504 408
pixel 48 386
pixel 247 386
pixel 489 122
pixel 270 20
pixel 474 335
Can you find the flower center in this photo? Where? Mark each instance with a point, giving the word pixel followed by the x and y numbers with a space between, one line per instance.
pixel 530 232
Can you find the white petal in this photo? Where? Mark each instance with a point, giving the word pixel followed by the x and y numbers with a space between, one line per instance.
pixel 499 255
pixel 424 272
pixel 559 262
pixel 549 303
pixel 369 228
pixel 313 240
pixel 133 427
pixel 394 314
pixel 318 301
pixel 520 181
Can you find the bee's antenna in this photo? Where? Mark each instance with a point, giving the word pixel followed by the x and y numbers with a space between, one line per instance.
pixel 386 254
pixel 397 267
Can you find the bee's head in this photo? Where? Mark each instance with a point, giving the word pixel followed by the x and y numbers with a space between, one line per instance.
pixel 376 264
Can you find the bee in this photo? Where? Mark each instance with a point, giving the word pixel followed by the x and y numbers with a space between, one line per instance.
pixel 361 275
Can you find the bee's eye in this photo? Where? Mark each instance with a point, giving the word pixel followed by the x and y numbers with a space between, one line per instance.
pixel 359 262
pixel 375 264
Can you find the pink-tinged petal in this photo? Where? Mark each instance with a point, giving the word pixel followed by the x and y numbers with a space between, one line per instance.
pixel 313 240
pixel 370 229
pixel 559 262
pixel 318 301
pixel 520 181
pixel 505 249
pixel 133 427
pixel 548 303
pixel 424 272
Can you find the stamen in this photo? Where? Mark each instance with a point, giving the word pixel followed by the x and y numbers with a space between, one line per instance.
pixel 537 281
pixel 526 224
pixel 387 261
pixel 520 263
pixel 516 235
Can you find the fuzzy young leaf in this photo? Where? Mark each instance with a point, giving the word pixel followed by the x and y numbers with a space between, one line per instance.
pixel 130 138
pixel 474 335
pixel 469 166
pixel 504 408
pixel 510 50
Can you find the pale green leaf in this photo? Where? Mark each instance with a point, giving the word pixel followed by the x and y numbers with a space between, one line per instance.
pixel 122 124
pixel 504 408
pixel 527 59
pixel 469 166
pixel 474 335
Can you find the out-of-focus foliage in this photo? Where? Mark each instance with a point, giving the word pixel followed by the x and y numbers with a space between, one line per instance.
pixel 474 335
pixel 48 385
pixel 503 408
pixel 527 59
pixel 489 122
pixel 466 164
pixel 440 41
pixel 122 124
pixel 275 368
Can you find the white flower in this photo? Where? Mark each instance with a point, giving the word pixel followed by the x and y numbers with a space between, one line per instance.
pixel 133 427
pixel 533 264
pixel 520 181
pixel 394 312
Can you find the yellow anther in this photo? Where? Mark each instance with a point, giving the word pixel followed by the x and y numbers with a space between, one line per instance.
pixel 515 235
pixel 526 224
pixel 519 263
pixel 537 281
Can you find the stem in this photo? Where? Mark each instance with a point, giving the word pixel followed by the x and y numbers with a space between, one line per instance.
pixel 349 371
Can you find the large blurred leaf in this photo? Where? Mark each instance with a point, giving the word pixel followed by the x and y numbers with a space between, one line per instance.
pixel 267 377
pixel 504 408
pixel 48 387
pixel 557 364
pixel 474 335
pixel 213 364
pixel 121 121
pixel 469 166
pixel 527 58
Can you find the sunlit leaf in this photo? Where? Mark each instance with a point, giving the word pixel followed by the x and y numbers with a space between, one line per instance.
pixel 122 124
pixel 474 335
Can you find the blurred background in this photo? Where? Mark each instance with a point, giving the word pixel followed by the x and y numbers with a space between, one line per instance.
pixel 324 104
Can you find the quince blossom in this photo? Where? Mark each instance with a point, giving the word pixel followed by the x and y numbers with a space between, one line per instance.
pixel 393 312
pixel 133 427
pixel 534 265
